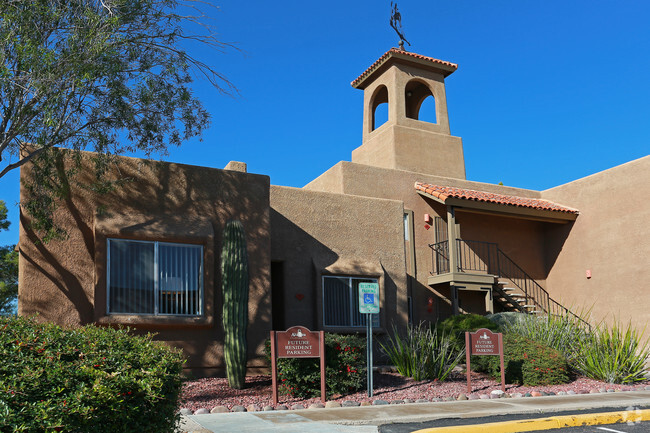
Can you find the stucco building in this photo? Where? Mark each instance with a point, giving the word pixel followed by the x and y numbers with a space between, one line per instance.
pixel 400 213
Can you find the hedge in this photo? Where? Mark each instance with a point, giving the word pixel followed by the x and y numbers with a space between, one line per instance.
pixel 85 379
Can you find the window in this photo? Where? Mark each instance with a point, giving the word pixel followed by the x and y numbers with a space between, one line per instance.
pixel 406 227
pixel 341 302
pixel 154 278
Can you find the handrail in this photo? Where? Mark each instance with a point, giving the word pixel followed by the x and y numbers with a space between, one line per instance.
pixel 440 257
pixel 531 288
pixel 487 257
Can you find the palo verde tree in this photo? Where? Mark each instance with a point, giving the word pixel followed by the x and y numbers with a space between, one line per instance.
pixel 111 76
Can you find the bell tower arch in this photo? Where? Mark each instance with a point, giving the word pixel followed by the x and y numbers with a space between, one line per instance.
pixel 405 81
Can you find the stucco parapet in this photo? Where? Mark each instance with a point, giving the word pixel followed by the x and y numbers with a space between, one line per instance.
pixel 351 172
pixel 275 189
pixel 642 164
pixel 329 181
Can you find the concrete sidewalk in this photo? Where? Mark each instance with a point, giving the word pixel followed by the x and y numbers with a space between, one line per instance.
pixel 366 419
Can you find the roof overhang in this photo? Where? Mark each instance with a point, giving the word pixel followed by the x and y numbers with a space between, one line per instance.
pixel 394 56
pixel 498 204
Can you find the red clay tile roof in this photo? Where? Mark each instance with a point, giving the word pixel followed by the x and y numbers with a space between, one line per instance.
pixel 396 51
pixel 443 192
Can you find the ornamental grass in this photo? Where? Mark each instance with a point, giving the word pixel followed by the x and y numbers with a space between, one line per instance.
pixel 423 352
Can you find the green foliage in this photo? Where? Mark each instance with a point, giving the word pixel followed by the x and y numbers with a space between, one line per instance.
pixel 456 326
pixel 109 76
pixel 423 353
pixel 345 368
pixel 8 269
pixel 4 224
pixel 562 333
pixel 86 379
pixel 526 362
pixel 8 279
pixel 614 355
pixel 506 318
pixel 234 277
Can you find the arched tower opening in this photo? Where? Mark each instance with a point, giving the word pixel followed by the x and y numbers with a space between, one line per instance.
pixel 420 103
pixel 379 107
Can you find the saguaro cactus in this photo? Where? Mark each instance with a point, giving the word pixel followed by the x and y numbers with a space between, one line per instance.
pixel 234 275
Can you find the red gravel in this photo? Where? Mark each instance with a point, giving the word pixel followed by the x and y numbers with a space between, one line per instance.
pixel 210 392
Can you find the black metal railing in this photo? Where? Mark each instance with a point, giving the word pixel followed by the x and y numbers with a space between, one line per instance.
pixel 440 257
pixel 487 257
pixel 477 256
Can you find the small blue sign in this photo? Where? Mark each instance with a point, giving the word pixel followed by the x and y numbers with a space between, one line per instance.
pixel 368 298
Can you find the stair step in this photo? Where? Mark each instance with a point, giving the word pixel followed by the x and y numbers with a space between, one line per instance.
pixel 529 306
pixel 508 289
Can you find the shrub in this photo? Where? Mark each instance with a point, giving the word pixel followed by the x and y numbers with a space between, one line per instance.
pixel 562 333
pixel 456 326
pixel 614 355
pixel 423 353
pixel 506 318
pixel 345 368
pixel 85 379
pixel 526 363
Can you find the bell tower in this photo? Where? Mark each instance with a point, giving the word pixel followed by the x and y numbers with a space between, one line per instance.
pixel 405 80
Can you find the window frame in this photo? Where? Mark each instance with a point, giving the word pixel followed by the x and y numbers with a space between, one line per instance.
pixel 376 318
pixel 156 284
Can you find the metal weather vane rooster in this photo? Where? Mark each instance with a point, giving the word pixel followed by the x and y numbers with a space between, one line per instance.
pixel 396 24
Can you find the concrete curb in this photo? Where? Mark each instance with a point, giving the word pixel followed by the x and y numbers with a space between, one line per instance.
pixel 367 418
pixel 554 422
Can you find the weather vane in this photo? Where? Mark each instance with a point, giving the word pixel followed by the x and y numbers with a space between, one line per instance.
pixel 396 24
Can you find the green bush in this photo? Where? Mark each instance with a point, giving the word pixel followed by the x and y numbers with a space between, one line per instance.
pixel 423 353
pixel 614 355
pixel 345 368
pixel 526 362
pixel 456 326
pixel 85 379
pixel 562 333
pixel 506 318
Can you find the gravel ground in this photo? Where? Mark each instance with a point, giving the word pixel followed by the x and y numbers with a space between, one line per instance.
pixel 212 392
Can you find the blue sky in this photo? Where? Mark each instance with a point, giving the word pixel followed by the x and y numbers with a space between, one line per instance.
pixel 546 92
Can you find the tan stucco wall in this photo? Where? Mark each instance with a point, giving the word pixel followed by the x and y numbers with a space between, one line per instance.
pixel 413 149
pixel 523 243
pixel 520 239
pixel 404 143
pixel 64 281
pixel 611 237
pixel 318 233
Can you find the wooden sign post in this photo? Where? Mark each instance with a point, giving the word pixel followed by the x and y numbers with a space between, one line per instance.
pixel 484 342
pixel 297 342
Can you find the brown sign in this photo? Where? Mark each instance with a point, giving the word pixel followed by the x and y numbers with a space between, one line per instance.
pixel 484 342
pixel 297 342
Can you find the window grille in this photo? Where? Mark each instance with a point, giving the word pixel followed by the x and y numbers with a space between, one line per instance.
pixel 154 278
pixel 341 302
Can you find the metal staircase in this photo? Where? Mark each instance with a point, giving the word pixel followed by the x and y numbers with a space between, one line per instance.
pixel 513 288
